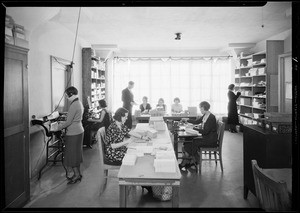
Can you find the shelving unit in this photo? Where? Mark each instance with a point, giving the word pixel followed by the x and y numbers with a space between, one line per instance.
pixel 256 79
pixel 93 77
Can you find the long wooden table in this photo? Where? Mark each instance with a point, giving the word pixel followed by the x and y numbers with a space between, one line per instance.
pixel 145 118
pixel 143 174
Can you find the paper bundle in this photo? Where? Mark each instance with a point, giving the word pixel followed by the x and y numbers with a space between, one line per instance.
pixel 165 165
pixel 191 131
pixel 152 133
pixel 129 159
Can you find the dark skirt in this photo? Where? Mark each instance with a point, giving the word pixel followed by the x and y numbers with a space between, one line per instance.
pixel 73 155
pixel 192 147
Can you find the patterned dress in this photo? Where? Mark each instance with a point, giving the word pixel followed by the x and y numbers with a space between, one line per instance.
pixel 115 135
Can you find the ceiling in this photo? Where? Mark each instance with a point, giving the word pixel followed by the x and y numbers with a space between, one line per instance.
pixel 154 28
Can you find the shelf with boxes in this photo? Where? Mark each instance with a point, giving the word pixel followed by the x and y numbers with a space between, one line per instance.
pixel 250 80
pixel 93 77
pixel 15 34
pixel 256 78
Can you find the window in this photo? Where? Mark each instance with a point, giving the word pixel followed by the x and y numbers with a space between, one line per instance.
pixel 192 80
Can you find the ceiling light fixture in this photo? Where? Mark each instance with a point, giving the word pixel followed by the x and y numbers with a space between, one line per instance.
pixel 178 36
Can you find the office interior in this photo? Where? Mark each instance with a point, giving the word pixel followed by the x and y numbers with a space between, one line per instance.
pixel 129 41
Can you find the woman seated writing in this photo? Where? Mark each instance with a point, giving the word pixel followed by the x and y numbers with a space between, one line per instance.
pixel 176 107
pixel 145 106
pixel 208 129
pixel 161 105
pixel 115 146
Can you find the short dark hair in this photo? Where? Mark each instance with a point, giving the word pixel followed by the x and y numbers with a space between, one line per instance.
pixel 102 103
pixel 120 113
pixel 131 83
pixel 231 86
pixel 205 105
pixel 161 99
pixel 71 91
pixel 176 99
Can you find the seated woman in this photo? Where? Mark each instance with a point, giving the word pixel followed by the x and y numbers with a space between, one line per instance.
pixel 176 107
pixel 145 106
pixel 105 116
pixel 208 129
pixel 115 146
pixel 161 105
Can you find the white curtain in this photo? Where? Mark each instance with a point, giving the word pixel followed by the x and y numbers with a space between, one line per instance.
pixel 191 80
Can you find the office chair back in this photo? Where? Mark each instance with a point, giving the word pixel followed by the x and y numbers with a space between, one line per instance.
pixel 216 150
pixel 107 165
pixel 272 195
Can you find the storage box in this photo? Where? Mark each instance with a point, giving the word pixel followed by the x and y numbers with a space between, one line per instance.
pixel 245 101
pixel 21 42
pixel 9 40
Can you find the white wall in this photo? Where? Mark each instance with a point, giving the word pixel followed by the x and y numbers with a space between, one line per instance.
pixel 46 38
pixel 286 36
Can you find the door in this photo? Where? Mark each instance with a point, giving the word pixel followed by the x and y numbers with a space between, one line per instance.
pixel 16 132
pixel 285 83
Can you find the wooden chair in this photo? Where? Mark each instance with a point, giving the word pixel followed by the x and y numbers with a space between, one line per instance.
pixel 107 165
pixel 272 195
pixel 216 150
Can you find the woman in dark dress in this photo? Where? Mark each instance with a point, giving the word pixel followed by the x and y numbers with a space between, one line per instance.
pixel 104 117
pixel 208 129
pixel 233 118
pixel 145 107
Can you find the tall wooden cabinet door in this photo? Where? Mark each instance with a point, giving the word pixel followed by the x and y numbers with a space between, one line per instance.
pixel 16 132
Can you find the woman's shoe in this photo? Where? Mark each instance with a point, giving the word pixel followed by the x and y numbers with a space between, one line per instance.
pixel 70 178
pixel 75 180
pixel 194 166
pixel 149 189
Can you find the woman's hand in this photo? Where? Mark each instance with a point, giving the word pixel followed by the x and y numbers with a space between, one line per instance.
pixel 146 138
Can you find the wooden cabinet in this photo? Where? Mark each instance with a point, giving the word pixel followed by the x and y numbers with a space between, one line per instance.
pixel 269 149
pixel 257 80
pixel 16 127
pixel 93 77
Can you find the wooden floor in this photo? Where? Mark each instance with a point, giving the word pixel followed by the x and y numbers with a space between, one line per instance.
pixel 211 189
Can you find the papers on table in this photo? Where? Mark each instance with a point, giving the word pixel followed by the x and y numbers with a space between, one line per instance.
pixel 191 131
pixel 165 161
pixel 129 159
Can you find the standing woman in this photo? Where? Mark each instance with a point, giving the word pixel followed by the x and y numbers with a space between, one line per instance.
pixel 74 136
pixel 233 118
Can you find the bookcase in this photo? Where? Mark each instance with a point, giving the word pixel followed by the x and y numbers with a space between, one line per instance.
pixel 256 78
pixel 93 78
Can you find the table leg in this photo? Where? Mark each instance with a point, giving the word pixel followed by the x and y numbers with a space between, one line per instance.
pixel 176 144
pixel 175 197
pixel 123 190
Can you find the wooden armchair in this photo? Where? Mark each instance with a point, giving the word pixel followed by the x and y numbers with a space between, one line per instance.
pixel 272 195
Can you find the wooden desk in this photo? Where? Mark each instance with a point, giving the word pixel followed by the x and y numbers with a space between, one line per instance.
pixel 143 174
pixel 269 149
pixel 281 175
pixel 143 118
pixel 182 136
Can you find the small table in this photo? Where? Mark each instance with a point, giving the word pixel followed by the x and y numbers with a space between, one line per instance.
pixel 182 135
pixel 281 175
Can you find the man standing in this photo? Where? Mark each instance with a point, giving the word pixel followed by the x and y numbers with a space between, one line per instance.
pixel 128 102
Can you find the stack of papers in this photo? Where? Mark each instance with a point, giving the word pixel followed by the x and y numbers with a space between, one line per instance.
pixel 165 165
pixel 129 159
pixel 191 131
pixel 165 161
pixel 152 133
